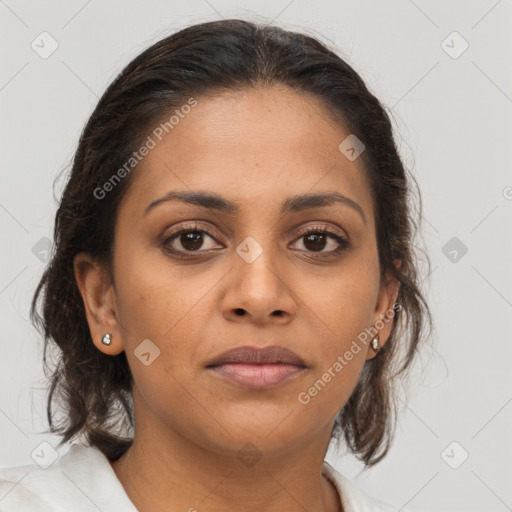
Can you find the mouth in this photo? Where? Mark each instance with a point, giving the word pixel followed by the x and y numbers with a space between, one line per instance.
pixel 257 369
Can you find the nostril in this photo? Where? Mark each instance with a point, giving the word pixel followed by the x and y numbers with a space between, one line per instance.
pixel 239 311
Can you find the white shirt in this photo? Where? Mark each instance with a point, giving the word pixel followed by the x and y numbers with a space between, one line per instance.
pixel 83 480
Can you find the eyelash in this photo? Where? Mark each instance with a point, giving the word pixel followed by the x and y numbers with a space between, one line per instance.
pixel 343 243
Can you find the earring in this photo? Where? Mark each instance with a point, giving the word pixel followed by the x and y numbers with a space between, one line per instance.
pixel 106 339
pixel 375 343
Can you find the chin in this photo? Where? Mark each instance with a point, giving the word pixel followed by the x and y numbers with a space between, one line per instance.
pixel 272 429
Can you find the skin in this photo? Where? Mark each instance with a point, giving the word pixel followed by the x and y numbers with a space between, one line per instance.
pixel 255 147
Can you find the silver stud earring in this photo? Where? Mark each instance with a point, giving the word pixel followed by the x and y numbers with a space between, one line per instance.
pixel 375 343
pixel 106 339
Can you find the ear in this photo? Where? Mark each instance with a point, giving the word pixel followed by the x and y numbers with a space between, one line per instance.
pixel 98 295
pixel 383 316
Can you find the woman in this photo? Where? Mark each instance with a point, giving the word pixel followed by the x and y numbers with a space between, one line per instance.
pixel 233 287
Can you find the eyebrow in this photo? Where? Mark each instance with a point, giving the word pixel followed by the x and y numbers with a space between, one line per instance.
pixel 290 205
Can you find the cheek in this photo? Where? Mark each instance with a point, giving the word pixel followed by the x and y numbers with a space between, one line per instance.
pixel 345 303
pixel 167 304
pixel 151 294
pixel 339 363
pixel 342 309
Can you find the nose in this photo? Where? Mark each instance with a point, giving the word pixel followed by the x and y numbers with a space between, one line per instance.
pixel 259 292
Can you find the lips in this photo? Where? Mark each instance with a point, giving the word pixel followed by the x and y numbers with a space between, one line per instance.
pixel 250 355
pixel 257 369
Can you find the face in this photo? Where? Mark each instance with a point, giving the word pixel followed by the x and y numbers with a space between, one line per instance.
pixel 258 265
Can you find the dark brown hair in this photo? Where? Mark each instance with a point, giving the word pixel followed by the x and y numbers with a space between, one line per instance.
pixel 94 389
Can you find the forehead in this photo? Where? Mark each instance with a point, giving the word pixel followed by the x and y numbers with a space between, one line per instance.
pixel 267 143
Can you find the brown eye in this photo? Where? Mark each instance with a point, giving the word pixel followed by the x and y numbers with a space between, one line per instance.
pixel 319 239
pixel 315 241
pixel 190 239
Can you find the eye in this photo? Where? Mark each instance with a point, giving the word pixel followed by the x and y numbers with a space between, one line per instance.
pixel 316 239
pixel 190 239
pixel 198 239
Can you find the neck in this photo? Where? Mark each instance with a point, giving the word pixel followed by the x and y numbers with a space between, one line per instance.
pixel 164 469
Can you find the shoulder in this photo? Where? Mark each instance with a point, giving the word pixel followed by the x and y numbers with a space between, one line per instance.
pixel 353 498
pixel 81 479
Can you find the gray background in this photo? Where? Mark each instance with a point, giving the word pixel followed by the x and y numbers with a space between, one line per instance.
pixel 452 116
